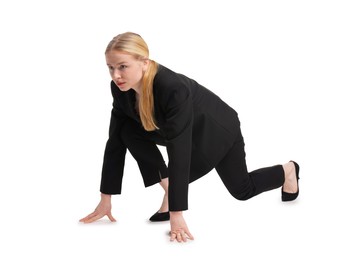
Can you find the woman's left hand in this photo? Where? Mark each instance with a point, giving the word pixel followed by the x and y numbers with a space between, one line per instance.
pixel 179 229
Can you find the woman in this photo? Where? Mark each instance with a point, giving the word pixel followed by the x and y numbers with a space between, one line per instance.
pixel 154 105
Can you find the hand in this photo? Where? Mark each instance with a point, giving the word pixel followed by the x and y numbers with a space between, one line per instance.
pixel 103 209
pixel 179 229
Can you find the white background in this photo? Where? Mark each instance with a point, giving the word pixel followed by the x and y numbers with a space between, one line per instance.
pixel 290 69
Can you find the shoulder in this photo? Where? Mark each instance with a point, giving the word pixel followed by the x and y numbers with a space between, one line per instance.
pixel 114 89
pixel 122 99
pixel 117 93
pixel 171 86
pixel 166 77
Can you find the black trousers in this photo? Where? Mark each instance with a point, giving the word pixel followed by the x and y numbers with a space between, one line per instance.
pixel 232 169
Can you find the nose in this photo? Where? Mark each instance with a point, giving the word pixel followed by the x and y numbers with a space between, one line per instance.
pixel 117 74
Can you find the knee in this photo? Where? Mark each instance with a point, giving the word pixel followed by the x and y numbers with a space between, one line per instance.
pixel 244 193
pixel 243 196
pixel 239 188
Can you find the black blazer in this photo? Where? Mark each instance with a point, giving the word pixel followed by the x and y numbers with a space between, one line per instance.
pixel 199 129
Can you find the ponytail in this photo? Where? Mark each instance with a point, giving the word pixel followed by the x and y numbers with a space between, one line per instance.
pixel 146 103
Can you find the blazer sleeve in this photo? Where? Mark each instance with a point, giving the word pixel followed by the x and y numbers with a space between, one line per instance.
pixel 115 151
pixel 178 130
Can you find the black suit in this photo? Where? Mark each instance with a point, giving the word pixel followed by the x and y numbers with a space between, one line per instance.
pixel 195 125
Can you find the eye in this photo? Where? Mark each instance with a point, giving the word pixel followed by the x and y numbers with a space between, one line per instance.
pixel 110 68
pixel 122 67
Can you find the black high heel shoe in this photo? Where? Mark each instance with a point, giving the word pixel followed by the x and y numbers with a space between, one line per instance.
pixel 292 196
pixel 160 216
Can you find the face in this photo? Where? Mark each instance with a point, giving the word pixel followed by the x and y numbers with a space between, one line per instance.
pixel 125 70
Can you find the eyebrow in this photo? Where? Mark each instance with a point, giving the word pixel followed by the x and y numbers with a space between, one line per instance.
pixel 119 63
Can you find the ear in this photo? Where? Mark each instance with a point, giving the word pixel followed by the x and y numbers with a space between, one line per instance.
pixel 146 63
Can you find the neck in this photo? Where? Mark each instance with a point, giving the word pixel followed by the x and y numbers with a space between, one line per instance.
pixel 138 90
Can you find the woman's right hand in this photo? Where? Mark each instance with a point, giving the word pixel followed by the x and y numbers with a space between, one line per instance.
pixel 102 209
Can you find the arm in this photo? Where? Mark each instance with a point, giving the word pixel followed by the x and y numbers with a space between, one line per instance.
pixel 113 164
pixel 115 151
pixel 178 130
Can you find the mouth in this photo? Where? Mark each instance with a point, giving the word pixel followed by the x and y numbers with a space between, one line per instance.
pixel 120 83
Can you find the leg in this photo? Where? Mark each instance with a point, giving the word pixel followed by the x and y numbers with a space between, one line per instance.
pixel 164 185
pixel 143 148
pixel 241 184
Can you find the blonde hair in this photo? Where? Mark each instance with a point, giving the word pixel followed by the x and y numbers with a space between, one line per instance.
pixel 133 44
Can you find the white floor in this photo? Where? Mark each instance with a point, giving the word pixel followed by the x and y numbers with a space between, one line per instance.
pixel 39 221
pixel 289 69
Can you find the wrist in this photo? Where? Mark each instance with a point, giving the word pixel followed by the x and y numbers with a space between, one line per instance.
pixel 106 197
